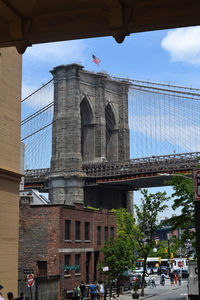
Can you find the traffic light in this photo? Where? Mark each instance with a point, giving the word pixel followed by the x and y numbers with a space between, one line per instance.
pixel 166 250
pixel 159 259
pixel 172 255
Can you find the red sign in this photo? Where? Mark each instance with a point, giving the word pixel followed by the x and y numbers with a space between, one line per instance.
pixel 180 264
pixel 197 185
pixel 30 279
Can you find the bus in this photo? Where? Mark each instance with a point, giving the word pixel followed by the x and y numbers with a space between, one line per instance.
pixel 153 264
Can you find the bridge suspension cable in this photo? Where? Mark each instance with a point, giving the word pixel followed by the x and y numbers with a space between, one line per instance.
pixel 163 123
pixel 36 126
pixel 163 119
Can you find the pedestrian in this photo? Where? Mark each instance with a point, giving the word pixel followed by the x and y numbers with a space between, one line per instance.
pixel 10 296
pixel 179 278
pixel 93 291
pixel 101 290
pixel 153 282
pixel 98 291
pixel 83 290
pixel 171 278
pixel 23 297
pixel 76 293
pixel 1 296
pixel 162 279
pixel 175 278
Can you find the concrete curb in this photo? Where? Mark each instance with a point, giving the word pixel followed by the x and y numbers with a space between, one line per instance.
pixel 147 296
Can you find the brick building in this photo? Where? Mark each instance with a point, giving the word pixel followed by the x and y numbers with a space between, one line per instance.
pixel 54 236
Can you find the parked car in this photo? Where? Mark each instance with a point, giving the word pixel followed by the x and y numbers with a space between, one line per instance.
pixel 127 280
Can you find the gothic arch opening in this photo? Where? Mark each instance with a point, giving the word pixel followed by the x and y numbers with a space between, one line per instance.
pixel 111 135
pixel 87 131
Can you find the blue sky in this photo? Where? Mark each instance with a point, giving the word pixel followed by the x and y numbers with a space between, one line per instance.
pixel 165 56
pixel 171 56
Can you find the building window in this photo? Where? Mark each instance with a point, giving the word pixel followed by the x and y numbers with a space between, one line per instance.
pixel 67 229
pixel 77 230
pixel 87 231
pixel 99 234
pixel 42 268
pixel 77 263
pixel 67 263
pixel 106 233
pixel 112 233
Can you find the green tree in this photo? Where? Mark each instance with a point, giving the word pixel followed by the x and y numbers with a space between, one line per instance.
pixel 139 235
pixel 183 198
pixel 162 250
pixel 126 229
pixel 117 256
pixel 147 223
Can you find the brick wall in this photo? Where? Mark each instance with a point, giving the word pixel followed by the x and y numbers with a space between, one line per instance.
pixel 42 238
pixel 38 237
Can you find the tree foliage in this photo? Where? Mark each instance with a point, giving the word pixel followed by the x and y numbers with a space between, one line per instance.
pixel 162 248
pixel 117 256
pixel 147 223
pixel 184 199
pixel 139 235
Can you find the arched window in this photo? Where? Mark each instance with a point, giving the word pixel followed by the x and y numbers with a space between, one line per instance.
pixel 111 135
pixel 87 131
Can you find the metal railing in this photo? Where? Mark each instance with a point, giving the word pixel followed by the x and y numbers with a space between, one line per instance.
pixel 154 164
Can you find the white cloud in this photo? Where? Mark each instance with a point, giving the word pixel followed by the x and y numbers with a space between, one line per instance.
pixel 183 44
pixel 40 59
pixel 59 52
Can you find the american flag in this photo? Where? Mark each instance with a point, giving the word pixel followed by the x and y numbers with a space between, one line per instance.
pixel 95 59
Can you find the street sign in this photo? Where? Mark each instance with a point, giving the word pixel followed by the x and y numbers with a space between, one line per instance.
pixel 71 267
pixel 30 279
pixel 180 264
pixel 197 185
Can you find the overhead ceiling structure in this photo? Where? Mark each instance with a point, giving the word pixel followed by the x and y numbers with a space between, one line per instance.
pixel 27 22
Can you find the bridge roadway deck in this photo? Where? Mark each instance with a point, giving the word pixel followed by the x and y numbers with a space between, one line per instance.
pixel 133 174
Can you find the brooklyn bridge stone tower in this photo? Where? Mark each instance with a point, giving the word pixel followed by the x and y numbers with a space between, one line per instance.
pixel 90 125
